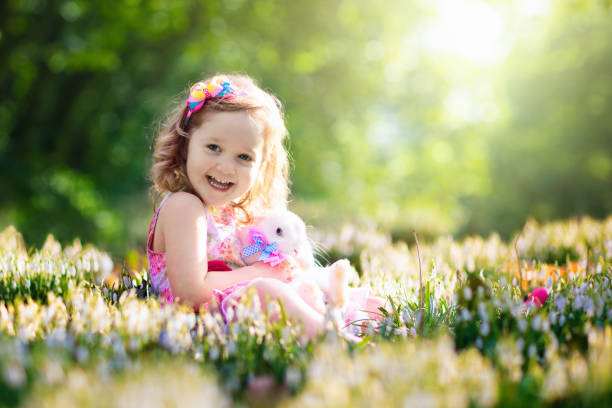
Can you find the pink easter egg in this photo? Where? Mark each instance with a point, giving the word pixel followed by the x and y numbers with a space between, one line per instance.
pixel 538 296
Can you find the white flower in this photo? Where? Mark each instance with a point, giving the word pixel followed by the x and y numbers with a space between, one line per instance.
pixel 535 323
pixel 482 311
pixel 81 354
pixel 578 302
pixel 14 374
pixel 532 350
pixel 589 307
pixel 405 317
pixel 21 266
pixel 213 353
pixel 555 383
pixel 560 303
pixel 293 377
pixel 402 331
pixel 106 265
pixel 485 328
pixel 232 348
pixel 52 372
pixel 467 293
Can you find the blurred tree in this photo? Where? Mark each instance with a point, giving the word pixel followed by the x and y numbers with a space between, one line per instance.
pixel 385 123
pixel 551 156
pixel 81 85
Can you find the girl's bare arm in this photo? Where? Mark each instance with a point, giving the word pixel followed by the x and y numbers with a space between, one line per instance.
pixel 182 228
pixel 220 280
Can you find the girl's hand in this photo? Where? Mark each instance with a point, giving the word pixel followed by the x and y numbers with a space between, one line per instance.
pixel 282 273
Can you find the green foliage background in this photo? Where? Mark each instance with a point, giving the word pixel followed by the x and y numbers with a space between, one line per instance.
pixel 384 126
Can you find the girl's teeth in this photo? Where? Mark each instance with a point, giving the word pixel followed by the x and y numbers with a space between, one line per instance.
pixel 218 183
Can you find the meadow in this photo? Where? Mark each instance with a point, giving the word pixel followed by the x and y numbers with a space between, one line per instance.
pixel 454 118
pixel 78 328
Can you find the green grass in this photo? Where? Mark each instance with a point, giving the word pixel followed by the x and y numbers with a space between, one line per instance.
pixel 472 341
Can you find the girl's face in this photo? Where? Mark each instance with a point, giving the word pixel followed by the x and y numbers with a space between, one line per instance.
pixel 223 156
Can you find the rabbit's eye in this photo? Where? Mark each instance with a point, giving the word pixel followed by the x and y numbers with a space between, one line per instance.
pixel 279 232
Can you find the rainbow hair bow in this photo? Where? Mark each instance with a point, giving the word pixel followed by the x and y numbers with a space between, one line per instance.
pixel 201 91
pixel 259 243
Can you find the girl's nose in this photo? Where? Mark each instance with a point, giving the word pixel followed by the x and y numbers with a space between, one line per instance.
pixel 225 166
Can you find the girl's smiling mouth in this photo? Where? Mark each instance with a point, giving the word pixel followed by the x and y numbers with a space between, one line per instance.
pixel 218 184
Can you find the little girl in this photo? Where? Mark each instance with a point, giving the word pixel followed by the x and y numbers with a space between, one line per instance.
pixel 220 159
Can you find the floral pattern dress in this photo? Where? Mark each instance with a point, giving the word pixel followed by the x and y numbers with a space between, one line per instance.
pixel 222 245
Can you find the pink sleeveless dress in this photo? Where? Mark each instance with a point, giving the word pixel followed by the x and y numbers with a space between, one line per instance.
pixel 222 250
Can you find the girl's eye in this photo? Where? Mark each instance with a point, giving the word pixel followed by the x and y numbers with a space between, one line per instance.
pixel 244 157
pixel 279 232
pixel 214 147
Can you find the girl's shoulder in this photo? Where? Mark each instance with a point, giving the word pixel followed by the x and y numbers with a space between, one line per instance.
pixel 179 212
pixel 181 204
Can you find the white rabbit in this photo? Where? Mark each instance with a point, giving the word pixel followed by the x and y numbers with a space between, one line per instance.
pixel 280 236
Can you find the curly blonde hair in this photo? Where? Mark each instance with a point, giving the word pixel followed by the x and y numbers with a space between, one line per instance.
pixel 271 186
